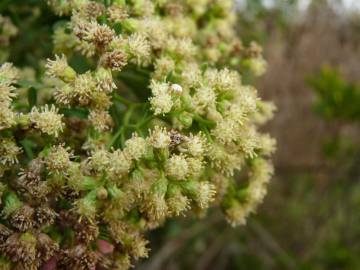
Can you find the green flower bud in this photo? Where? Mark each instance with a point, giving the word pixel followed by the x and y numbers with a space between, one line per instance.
pixel 149 154
pixel 28 237
pixel 160 186
pixel 86 206
pixel 186 119
pixel 11 204
pixel 130 25
pixel 162 155
pixel 186 102
pixel 223 47
pixel 23 120
pixel 69 74
pixel 234 61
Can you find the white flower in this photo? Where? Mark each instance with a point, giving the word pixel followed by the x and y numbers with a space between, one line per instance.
pixel 139 49
pixel 206 194
pixel 159 88
pixel 100 120
pixel 163 66
pixel 59 68
pixel 194 145
pixel 257 65
pixel 177 167
pixel 84 87
pixel 161 101
pixel 119 164
pixel 9 151
pixel 161 104
pixel 204 97
pixel 135 147
pixel 58 159
pixel 226 130
pixel 47 119
pixel 191 75
pixel 223 80
pixel 105 80
pixel 8 73
pixel 159 138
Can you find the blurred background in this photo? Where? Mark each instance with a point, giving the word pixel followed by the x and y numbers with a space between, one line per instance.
pixel 311 216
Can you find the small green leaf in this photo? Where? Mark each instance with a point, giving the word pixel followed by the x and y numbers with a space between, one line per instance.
pixel 32 97
pixel 28 84
pixel 28 146
pixel 75 112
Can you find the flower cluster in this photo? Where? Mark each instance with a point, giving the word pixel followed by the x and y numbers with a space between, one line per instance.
pixel 8 76
pixel 157 123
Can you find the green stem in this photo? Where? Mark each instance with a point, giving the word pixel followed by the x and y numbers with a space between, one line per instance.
pixel 140 132
pixel 203 121
pixel 125 101
pixel 122 139
pixel 145 121
pixel 107 3
pixel 127 115
pixel 206 131
pixel 115 137
pixel 125 123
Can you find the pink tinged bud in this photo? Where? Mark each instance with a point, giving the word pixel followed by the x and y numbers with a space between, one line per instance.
pixel 50 264
pixel 105 247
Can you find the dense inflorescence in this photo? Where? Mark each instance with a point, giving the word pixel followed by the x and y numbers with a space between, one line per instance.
pixel 155 123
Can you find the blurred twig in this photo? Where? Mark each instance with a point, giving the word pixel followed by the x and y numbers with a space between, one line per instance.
pixel 216 246
pixel 272 245
pixel 176 243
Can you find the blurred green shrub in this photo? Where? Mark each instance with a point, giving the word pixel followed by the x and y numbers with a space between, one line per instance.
pixel 336 97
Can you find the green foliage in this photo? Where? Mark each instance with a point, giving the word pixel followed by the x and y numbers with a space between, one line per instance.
pixel 256 18
pixel 336 98
pixel 34 20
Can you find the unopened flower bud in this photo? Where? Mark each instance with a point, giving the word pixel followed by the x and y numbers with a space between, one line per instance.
pixel 186 119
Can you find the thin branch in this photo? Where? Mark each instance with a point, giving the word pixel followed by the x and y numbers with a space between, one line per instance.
pixel 272 245
pixel 211 252
pixel 176 243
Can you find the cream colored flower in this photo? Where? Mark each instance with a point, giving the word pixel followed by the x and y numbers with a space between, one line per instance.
pixel 159 138
pixel 47 120
pixel 177 167
pixel 135 147
pixel 9 151
pixel 59 68
pixel 139 49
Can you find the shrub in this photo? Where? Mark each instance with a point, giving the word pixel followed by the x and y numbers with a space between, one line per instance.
pixel 140 116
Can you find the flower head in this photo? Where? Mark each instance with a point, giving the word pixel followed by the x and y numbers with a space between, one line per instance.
pixel 47 120
pixel 59 68
pixel 206 194
pixel 9 151
pixel 159 138
pixel 100 120
pixel 161 101
pixel 135 147
pixel 177 167
pixel 139 49
pixel 58 160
